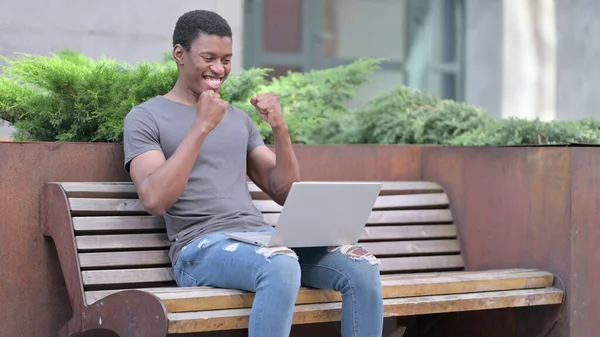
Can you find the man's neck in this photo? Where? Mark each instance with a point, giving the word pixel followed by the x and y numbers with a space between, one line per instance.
pixel 181 94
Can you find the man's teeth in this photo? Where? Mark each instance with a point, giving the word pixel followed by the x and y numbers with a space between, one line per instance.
pixel 213 81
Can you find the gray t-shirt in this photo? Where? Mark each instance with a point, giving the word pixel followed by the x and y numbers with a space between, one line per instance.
pixel 216 197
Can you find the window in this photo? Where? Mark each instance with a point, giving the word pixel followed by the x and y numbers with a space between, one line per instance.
pixel 422 40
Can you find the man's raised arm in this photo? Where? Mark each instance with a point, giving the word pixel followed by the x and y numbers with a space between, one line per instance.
pixel 275 172
pixel 160 182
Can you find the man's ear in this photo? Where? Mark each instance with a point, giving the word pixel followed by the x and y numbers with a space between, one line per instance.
pixel 178 54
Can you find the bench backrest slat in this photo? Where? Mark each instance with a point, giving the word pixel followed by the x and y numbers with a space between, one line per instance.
pixel 101 259
pixel 93 206
pixel 121 246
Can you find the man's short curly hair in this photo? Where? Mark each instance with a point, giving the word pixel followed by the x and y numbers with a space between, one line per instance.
pixel 192 24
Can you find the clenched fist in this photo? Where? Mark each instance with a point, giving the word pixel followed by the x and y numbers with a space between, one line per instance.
pixel 269 108
pixel 210 109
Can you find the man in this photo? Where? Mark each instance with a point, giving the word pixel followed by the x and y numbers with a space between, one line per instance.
pixel 189 152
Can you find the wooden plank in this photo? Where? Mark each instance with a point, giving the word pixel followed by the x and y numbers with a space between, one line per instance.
pixel 216 299
pixel 126 276
pixel 121 241
pixel 409 232
pixel 421 263
pixel 100 206
pixel 134 259
pixel 410 217
pixel 411 201
pixel 160 240
pixel 412 247
pixel 410 187
pixel 388 188
pixel 99 189
pixel 329 312
pixel 145 275
pixel 118 223
pixel 181 299
pixel 267 206
pixel 128 190
pixel 393 217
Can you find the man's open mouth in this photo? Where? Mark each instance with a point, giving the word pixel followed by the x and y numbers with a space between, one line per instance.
pixel 213 82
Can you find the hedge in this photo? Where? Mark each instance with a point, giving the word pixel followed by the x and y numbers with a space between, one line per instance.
pixel 70 97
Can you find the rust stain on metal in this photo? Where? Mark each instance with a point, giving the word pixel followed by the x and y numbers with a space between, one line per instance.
pixel 359 162
pixel 33 297
pixel 512 207
pixel 585 261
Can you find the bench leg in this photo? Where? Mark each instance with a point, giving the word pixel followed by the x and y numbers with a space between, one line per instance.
pixel 394 327
pixel 399 332
pixel 130 313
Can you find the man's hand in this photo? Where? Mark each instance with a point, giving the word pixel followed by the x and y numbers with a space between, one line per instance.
pixel 210 110
pixel 269 108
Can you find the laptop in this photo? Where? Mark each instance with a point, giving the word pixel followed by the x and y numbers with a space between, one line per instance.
pixel 319 214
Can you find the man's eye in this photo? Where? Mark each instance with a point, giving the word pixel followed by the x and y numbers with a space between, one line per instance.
pixel 208 59
pixel 226 61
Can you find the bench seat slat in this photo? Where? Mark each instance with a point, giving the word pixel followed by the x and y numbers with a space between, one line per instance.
pixel 329 312
pixel 160 257
pixel 182 299
pixel 149 275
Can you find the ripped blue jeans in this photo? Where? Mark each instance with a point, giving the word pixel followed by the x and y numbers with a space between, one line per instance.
pixel 276 274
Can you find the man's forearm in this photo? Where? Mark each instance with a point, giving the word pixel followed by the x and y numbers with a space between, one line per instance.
pixel 163 187
pixel 286 170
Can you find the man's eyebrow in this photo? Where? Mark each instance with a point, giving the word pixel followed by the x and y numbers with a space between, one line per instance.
pixel 208 53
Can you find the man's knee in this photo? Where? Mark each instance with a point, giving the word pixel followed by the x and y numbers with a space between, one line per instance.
pixel 282 268
pixel 361 269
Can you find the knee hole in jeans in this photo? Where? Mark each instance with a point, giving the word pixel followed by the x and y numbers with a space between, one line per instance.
pixel 269 252
pixel 356 252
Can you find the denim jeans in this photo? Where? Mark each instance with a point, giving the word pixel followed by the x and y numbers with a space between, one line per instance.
pixel 276 274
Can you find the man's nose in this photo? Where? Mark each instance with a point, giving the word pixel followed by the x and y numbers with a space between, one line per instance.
pixel 217 68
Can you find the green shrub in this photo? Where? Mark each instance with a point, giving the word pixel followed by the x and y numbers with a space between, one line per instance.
pixel 70 97
pixel 406 116
pixel 515 131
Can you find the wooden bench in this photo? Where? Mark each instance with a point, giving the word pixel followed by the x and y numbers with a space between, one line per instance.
pixel 114 260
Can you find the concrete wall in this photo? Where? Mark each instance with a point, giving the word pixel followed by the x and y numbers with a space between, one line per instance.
pixel 131 30
pixel 578 68
pixel 494 63
pixel 483 54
